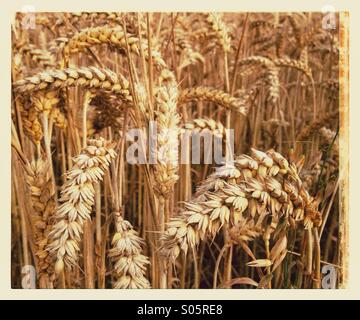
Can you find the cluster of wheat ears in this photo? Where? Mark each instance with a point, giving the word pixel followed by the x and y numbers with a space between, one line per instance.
pixel 84 217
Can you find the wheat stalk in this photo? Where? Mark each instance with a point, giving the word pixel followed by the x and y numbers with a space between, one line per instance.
pixel 177 69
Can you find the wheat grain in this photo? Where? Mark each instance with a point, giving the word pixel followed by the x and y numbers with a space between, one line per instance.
pixel 44 102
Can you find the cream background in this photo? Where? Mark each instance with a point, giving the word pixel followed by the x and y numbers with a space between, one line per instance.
pixel 7 12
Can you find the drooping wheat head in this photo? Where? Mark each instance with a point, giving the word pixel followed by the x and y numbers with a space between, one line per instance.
pixel 246 193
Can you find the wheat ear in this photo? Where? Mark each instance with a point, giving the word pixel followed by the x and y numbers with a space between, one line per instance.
pixel 241 196
pixel 77 199
pixel 296 64
pixel 40 57
pixel 308 131
pixel 205 125
pixel 271 74
pixel 167 117
pixel 130 263
pixel 212 95
pixel 87 77
pixel 217 25
pixel 188 55
pixel 30 120
pixel 114 36
pixel 42 195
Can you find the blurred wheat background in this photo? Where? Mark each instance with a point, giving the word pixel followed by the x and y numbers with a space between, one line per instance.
pixel 85 217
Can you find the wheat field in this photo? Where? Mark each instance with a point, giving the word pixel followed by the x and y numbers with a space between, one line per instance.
pixel 176 150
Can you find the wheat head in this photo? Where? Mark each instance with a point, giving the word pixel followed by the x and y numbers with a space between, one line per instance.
pixel 77 199
pixel 87 77
pixel 130 263
pixel 212 95
pixel 244 193
pixel 42 194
